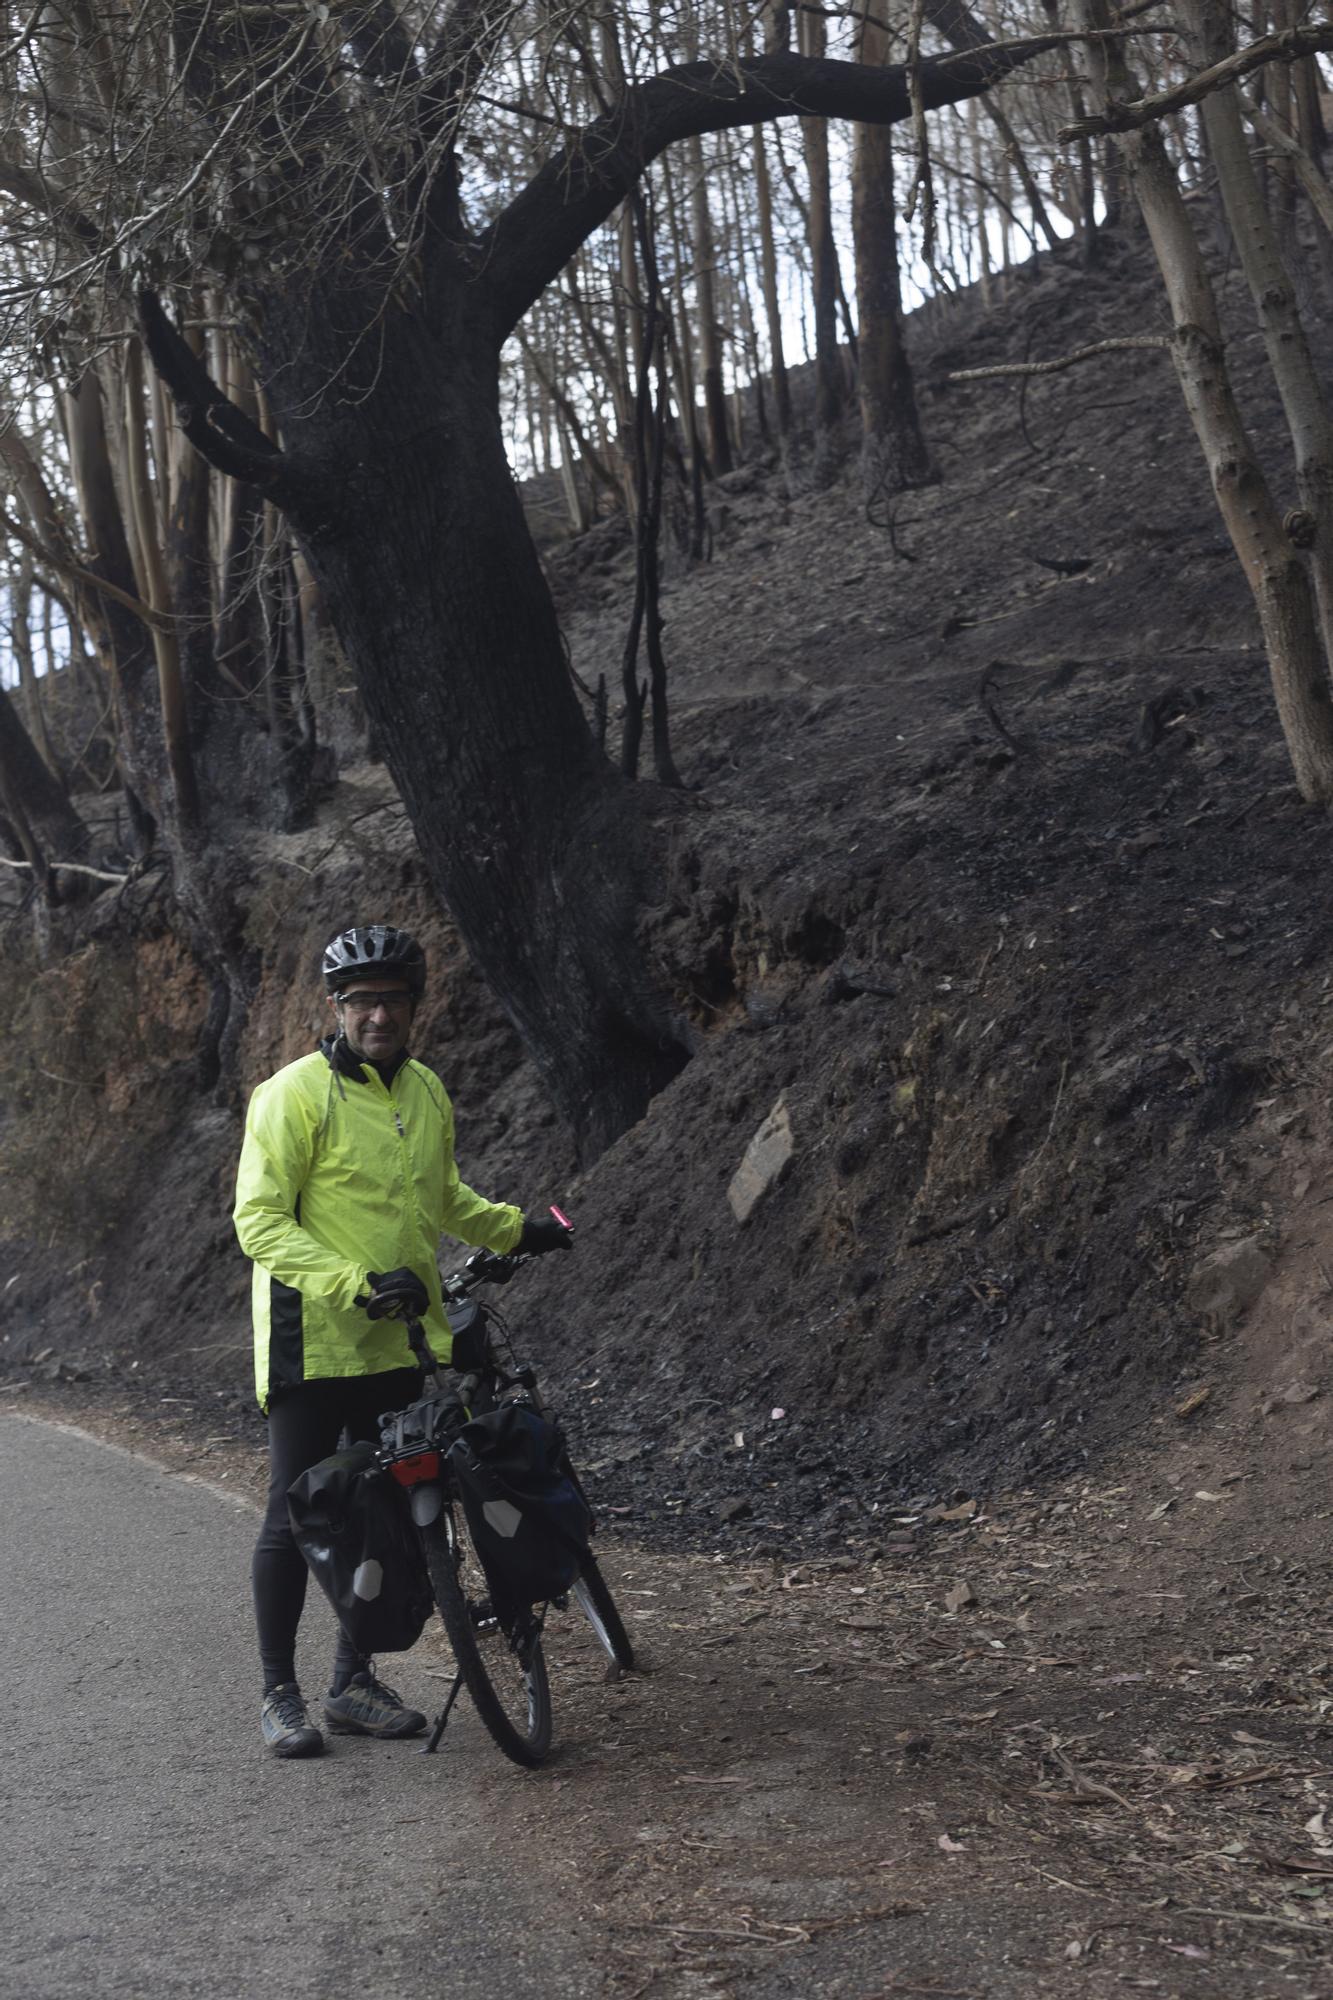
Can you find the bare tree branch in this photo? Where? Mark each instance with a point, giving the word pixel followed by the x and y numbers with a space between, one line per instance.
pixel 1063 361
pixel 217 429
pixel 64 565
pixel 1288 45
pixel 36 192
pixel 70 868
pixel 577 189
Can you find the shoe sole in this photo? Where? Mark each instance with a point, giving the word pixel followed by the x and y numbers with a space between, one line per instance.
pixel 389 1733
pixel 308 1749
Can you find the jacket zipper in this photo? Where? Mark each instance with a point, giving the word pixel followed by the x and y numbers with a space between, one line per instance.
pixel 409 1190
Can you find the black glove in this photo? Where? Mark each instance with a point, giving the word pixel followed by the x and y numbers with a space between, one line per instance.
pixel 542 1233
pixel 394 1292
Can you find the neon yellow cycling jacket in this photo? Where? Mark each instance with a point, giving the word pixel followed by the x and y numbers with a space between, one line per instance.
pixel 340 1175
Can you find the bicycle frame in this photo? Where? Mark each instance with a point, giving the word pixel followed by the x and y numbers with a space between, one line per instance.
pixel 414 1452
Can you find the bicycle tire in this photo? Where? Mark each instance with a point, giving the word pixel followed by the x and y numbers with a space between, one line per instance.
pixel 493 1670
pixel 595 1601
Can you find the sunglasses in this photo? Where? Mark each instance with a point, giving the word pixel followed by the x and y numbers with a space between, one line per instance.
pixel 359 1001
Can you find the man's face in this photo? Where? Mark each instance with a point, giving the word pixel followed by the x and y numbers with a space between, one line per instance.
pixel 375 1014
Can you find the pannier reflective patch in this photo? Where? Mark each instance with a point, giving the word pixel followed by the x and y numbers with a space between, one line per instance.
pixel 354 1527
pixel 503 1516
pixel 368 1580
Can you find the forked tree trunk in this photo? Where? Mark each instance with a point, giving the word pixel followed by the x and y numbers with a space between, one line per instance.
pixel 461 669
pixel 1273 568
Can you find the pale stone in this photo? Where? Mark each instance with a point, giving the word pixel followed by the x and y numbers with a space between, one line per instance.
pixel 766 1160
pixel 1225 1285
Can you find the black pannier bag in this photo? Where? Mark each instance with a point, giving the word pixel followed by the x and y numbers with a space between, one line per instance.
pixel 528 1521
pixel 353 1526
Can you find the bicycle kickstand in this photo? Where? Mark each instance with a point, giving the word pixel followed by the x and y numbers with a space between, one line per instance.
pixel 432 1743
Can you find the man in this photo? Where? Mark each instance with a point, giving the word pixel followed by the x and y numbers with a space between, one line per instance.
pixel 346 1180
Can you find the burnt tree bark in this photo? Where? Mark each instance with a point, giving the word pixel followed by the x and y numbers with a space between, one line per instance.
pixel 894 451
pixel 43 826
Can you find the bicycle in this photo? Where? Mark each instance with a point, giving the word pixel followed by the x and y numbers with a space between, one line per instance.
pixel 497 1649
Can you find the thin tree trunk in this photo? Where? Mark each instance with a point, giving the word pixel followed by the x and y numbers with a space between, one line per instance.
pixel 768 265
pixel 1312 179
pixel 1256 239
pixel 830 383
pixel 46 825
pixel 709 332
pixel 646 616
pixel 156 593
pixel 962 30
pixel 1085 214
pixel 1273 568
pixel 20 632
pixel 894 451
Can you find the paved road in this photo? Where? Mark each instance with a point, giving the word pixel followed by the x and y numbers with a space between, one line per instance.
pixel 148 1846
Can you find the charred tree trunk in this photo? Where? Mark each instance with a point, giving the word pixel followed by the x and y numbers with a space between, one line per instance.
pixel 45 824
pixel 462 672
pixel 893 445
pixel 830 382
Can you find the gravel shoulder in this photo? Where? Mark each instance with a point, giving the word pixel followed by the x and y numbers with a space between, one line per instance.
pixel 1074 1741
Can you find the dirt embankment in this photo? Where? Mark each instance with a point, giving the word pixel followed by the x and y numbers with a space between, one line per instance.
pixel 991 877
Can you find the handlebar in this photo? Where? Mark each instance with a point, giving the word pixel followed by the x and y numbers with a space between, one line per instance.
pixel 483 1267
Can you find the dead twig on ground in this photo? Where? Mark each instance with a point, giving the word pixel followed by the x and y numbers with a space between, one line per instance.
pixel 986 696
pixel 1061 361
pixel 1256 1917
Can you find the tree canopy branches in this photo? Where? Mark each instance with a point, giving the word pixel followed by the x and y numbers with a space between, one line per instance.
pixel 580 186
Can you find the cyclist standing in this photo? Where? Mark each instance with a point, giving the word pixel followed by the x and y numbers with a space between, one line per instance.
pixel 346 1181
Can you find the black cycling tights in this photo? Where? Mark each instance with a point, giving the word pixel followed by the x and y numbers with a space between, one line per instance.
pixel 304 1426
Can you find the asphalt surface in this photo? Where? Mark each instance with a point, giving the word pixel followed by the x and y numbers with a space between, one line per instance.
pixel 149 1846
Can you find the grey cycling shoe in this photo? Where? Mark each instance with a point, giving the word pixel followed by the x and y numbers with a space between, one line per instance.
pixel 367 1708
pixel 285 1725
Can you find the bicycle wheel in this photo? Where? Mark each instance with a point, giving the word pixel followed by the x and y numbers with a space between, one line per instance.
pixel 598 1607
pixel 505 1676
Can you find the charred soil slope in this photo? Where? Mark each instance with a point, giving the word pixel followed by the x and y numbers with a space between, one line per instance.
pixel 990 874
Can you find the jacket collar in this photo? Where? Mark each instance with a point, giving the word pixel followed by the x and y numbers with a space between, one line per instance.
pixel 341 1060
